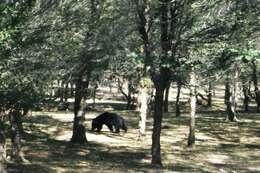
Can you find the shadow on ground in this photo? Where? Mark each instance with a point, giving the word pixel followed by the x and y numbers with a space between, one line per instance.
pixel 220 146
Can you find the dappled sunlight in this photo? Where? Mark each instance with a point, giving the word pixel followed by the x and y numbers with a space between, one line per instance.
pixel 221 146
pixel 216 158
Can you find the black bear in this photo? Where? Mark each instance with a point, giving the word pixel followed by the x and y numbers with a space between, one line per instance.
pixel 111 120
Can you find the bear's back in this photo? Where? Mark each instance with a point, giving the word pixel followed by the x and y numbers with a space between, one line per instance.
pixel 106 117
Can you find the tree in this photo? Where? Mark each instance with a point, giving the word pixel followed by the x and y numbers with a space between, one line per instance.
pixel 193 100
pixel 2 153
pixel 22 85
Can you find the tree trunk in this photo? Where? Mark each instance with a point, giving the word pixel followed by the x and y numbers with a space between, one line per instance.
pixel 209 95
pixel 72 90
pixel 17 154
pixel 246 93
pixel 143 105
pixel 230 113
pixel 66 92
pixel 2 153
pixel 61 91
pixel 129 95
pixel 230 98
pixel 158 113
pixel 177 104
pixel 193 100
pixel 79 130
pixel 255 81
pixel 94 95
pixel 160 81
pixel 166 98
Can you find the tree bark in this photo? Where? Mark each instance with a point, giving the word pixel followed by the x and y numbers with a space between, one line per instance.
pixel 61 91
pixel 66 92
pixel 128 95
pixel 72 89
pixel 231 97
pixel 158 113
pixel 246 92
pixel 166 98
pixel 2 153
pixel 143 105
pixel 177 104
pixel 193 100
pixel 160 81
pixel 209 95
pixel 255 81
pixel 79 130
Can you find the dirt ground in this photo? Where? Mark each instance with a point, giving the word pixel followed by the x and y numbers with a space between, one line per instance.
pixel 221 147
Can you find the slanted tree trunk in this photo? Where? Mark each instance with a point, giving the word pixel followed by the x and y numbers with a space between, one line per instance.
pixel 127 95
pixel 209 95
pixel 15 122
pixel 2 153
pixel 193 100
pixel 166 98
pixel 177 104
pixel 79 130
pixel 257 91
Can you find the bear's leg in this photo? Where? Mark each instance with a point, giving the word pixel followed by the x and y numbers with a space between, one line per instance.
pixel 110 128
pixel 122 124
pixel 117 129
pixel 99 128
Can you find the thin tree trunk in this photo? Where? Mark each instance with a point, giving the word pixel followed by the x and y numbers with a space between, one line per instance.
pixel 209 95
pixel 230 113
pixel 66 92
pixel 61 91
pixel 158 113
pixel 166 98
pixel 177 104
pixel 94 95
pixel 191 138
pixel 143 105
pixel 246 93
pixel 255 81
pixel 72 89
pixel 129 95
pixel 160 81
pixel 2 153
pixel 15 122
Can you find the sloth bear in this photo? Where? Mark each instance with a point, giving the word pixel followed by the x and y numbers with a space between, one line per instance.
pixel 113 121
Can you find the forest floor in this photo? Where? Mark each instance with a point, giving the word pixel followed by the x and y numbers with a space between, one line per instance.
pixel 221 146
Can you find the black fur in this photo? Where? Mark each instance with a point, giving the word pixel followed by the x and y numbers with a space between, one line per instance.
pixel 113 121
